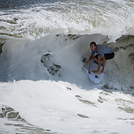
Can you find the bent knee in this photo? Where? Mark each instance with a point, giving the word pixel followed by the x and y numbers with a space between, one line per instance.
pixel 99 57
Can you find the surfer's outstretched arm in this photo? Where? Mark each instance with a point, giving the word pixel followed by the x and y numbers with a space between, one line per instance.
pixel 91 57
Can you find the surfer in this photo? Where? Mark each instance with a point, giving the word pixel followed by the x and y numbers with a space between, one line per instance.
pixel 104 53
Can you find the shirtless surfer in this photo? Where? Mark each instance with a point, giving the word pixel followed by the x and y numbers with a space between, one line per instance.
pixel 104 53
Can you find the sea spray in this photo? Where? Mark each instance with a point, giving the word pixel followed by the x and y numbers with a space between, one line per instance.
pixel 109 18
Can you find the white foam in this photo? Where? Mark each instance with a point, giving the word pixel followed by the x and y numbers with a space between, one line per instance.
pixel 107 18
pixel 66 108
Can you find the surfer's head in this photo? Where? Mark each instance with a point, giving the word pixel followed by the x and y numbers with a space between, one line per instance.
pixel 93 46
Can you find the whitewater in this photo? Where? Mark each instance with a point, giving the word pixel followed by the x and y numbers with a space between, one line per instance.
pixel 44 84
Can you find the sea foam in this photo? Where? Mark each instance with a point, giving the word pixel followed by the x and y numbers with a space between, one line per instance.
pixel 112 19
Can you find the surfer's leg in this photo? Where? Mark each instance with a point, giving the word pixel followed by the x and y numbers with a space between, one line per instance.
pixel 96 58
pixel 99 65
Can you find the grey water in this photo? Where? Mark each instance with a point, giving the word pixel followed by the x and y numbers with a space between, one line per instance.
pixel 10 4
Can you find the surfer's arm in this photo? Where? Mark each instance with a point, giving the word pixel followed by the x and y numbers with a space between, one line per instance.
pixel 91 57
pixel 104 63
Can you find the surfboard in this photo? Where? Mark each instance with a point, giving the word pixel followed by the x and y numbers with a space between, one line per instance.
pixel 96 78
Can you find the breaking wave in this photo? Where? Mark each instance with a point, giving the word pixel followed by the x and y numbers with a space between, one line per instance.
pixel 44 46
pixel 55 55
pixel 112 19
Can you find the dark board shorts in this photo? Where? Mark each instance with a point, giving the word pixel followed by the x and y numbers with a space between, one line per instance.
pixel 107 56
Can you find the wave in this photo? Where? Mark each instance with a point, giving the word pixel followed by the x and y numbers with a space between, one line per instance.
pixel 43 53
pixel 60 57
pixel 110 18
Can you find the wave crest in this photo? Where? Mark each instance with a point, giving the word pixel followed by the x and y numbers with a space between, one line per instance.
pixel 113 19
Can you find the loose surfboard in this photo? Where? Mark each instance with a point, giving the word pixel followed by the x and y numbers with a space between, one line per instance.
pixel 96 78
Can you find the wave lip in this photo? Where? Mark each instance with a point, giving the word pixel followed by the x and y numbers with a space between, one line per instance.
pixel 107 18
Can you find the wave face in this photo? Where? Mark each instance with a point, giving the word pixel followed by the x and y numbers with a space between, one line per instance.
pixel 112 18
pixel 55 55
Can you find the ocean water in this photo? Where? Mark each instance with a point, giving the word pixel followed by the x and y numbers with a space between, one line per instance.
pixel 44 85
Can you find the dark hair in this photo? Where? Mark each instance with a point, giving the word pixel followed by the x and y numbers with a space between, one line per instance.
pixel 92 43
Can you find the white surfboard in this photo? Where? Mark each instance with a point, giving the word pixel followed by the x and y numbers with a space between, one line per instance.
pixel 96 78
